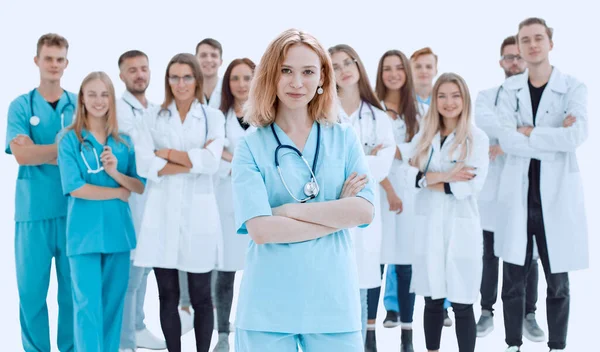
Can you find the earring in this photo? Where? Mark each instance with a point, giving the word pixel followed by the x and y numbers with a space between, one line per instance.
pixel 320 90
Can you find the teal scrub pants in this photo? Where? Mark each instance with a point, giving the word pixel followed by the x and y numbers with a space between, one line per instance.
pixel 36 243
pixel 99 285
pixel 259 341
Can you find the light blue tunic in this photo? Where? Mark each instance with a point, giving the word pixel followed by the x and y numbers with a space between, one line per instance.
pixel 306 287
pixel 96 226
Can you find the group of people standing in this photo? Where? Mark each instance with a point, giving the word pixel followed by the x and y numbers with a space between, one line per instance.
pixel 290 153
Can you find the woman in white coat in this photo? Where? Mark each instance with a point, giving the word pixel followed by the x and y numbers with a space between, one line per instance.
pixel 179 153
pixel 232 247
pixel 395 87
pixel 361 109
pixel 449 167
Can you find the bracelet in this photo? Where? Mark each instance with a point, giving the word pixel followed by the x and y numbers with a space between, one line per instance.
pixel 169 154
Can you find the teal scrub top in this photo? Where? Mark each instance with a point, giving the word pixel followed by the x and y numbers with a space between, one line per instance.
pixel 426 101
pixel 38 195
pixel 305 287
pixel 96 226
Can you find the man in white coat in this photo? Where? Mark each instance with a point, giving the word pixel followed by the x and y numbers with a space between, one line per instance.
pixel 487 119
pixel 543 115
pixel 210 56
pixel 132 108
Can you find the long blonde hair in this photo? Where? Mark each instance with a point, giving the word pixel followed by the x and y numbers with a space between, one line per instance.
pixel 261 107
pixel 433 122
pixel 81 119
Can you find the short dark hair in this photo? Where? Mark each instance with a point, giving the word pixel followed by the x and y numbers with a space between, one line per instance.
pixel 212 42
pixel 131 54
pixel 51 39
pixel 512 40
pixel 535 20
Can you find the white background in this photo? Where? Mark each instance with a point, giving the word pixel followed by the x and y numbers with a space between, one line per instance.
pixel 465 34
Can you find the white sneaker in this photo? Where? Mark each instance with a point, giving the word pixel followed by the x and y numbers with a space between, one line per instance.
pixel 513 349
pixel 223 343
pixel 187 321
pixel 485 325
pixel 145 339
pixel 531 329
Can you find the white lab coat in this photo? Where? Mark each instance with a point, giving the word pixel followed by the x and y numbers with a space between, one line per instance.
pixel 398 229
pixel 231 247
pixel 181 225
pixel 487 119
pixel 560 183
pixel 448 241
pixel 367 241
pixel 130 118
pixel 214 100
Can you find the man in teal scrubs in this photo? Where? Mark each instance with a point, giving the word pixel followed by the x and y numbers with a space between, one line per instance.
pixel 34 120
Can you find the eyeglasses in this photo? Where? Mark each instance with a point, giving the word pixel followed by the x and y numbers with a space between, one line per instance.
pixel 512 57
pixel 345 64
pixel 187 79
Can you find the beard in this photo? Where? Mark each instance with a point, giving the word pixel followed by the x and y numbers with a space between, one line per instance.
pixel 510 73
pixel 136 89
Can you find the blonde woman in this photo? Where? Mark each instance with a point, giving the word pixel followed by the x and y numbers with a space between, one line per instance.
pixel 448 166
pixel 299 182
pixel 98 174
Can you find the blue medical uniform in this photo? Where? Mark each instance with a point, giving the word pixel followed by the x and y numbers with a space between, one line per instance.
pixel 40 229
pixel 100 235
pixel 297 291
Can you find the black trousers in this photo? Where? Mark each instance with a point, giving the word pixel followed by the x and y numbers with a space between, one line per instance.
pixel 513 290
pixel 168 294
pixel 489 281
pixel 433 323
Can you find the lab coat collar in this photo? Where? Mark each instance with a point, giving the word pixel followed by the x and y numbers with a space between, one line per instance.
pixel 195 109
pixel 131 100
pixel 557 81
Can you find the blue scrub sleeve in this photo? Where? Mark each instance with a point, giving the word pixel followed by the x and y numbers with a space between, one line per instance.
pixel 70 174
pixel 250 197
pixel 357 162
pixel 17 122
pixel 131 166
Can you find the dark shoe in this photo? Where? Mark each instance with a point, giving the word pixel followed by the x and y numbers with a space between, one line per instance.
pixel 406 338
pixel 370 343
pixel 391 319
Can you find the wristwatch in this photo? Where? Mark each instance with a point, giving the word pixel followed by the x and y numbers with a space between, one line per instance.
pixel 423 182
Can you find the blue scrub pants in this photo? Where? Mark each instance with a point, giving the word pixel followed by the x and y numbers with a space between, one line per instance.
pixel 364 311
pixel 259 341
pixel 36 243
pixel 99 285
pixel 390 297
pixel 133 309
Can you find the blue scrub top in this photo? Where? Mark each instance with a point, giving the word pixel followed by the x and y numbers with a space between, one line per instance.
pixel 96 226
pixel 426 101
pixel 306 287
pixel 38 195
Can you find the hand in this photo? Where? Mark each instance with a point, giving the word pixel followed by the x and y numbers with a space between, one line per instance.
pixel 460 174
pixel 124 194
pixel 109 161
pixel 353 185
pixel 398 154
pixel 395 202
pixel 208 143
pixel 495 151
pixel 162 153
pixel 569 121
pixel 376 149
pixel 526 130
pixel 22 139
pixel 279 211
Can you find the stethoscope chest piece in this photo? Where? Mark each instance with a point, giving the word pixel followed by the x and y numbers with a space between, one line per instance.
pixel 311 189
pixel 34 120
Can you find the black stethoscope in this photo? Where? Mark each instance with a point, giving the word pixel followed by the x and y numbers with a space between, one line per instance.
pixel 164 112
pixel 134 109
pixel 35 120
pixel 498 96
pixel 311 188
pixel 454 161
pixel 373 127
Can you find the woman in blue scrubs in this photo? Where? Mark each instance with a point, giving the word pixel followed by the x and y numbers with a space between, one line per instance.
pixel 300 285
pixel 98 173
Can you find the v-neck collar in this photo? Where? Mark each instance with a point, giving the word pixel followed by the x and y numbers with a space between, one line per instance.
pixel 310 141
pixel 85 134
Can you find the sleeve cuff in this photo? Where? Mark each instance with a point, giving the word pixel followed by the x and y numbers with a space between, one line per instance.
pixel 156 165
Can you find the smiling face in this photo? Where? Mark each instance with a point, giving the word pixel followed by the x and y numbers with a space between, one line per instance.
pixel 182 82
pixel 424 69
pixel 210 60
pixel 96 98
pixel 534 44
pixel 239 81
pixel 52 62
pixel 345 69
pixel 135 73
pixel 449 100
pixel 393 74
pixel 299 78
